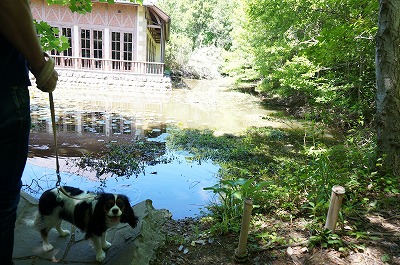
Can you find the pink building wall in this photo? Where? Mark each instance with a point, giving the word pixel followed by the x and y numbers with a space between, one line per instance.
pixel 105 17
pixel 113 37
pixel 122 16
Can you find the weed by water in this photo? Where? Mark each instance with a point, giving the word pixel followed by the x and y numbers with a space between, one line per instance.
pixel 124 159
pixel 287 171
pixel 231 194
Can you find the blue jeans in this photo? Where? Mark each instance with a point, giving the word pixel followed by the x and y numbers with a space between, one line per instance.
pixel 14 138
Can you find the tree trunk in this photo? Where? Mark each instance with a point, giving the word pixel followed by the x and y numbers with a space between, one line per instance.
pixel 388 86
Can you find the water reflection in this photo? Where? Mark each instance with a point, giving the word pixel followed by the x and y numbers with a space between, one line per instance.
pixel 176 186
pixel 78 131
pixel 85 122
pixel 87 119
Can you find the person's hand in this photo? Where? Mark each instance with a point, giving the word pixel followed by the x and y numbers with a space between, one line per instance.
pixel 46 79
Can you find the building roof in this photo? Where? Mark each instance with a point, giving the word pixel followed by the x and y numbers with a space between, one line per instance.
pixel 165 20
pixel 150 4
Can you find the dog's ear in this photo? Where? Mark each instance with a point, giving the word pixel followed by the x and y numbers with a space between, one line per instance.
pixel 128 215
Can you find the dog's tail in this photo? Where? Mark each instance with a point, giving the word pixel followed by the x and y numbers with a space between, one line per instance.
pixel 34 221
pixel 39 223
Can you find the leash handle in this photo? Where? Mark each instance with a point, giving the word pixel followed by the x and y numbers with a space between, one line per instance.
pixel 53 123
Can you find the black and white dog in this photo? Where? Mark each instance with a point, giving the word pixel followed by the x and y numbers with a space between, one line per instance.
pixel 92 213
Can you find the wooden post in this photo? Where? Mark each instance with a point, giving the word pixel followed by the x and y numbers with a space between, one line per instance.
pixel 241 254
pixel 334 207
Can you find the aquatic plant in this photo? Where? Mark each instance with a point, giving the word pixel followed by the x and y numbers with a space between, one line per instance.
pixel 124 159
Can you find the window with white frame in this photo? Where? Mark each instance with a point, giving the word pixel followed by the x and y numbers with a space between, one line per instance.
pixel 116 50
pixel 128 51
pixel 98 47
pixel 85 47
pixel 92 47
pixel 121 50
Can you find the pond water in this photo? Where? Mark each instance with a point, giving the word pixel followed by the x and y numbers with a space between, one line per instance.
pixel 176 186
pixel 88 118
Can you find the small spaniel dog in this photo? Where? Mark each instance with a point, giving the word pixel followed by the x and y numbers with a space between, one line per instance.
pixel 92 213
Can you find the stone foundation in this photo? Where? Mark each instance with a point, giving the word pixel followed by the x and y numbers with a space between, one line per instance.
pixel 112 81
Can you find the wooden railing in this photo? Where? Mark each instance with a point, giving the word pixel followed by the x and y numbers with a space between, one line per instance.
pixel 134 67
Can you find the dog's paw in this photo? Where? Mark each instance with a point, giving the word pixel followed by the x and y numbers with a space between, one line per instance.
pixel 106 245
pixel 47 247
pixel 100 256
pixel 63 233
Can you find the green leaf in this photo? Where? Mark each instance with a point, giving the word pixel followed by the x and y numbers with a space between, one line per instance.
pixel 246 184
pixel 213 188
pixel 237 195
pixel 385 258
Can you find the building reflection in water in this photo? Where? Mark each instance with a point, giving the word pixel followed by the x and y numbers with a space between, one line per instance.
pixel 86 131
pixel 108 124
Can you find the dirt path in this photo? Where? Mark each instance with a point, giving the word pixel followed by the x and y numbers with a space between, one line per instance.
pixel 189 243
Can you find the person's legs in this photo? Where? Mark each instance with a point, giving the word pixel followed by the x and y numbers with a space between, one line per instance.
pixel 14 138
pixel 8 215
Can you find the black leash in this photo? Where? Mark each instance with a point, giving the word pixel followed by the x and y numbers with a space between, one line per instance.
pixel 58 183
pixel 53 123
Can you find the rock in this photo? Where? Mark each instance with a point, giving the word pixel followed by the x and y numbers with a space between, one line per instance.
pixel 140 249
pixel 151 235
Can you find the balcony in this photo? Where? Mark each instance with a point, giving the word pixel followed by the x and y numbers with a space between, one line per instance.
pixel 107 65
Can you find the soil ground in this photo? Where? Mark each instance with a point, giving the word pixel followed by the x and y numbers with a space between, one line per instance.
pixel 189 242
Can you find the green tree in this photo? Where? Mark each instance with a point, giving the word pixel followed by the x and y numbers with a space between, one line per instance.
pixel 197 24
pixel 321 51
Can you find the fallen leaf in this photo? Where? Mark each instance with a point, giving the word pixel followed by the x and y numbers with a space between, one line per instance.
pixel 289 251
pixel 194 242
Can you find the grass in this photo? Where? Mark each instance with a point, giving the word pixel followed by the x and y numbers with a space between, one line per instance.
pixel 289 175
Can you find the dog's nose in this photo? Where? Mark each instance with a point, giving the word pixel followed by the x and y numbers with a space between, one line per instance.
pixel 114 211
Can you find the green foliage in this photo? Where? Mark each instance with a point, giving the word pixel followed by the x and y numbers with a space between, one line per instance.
pixel 83 6
pixel 231 194
pixel 321 52
pixel 204 145
pixel 197 26
pixel 326 239
pixel 272 238
pixel 385 258
pixel 296 75
pixel 204 22
pixel 289 172
pixel 48 39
